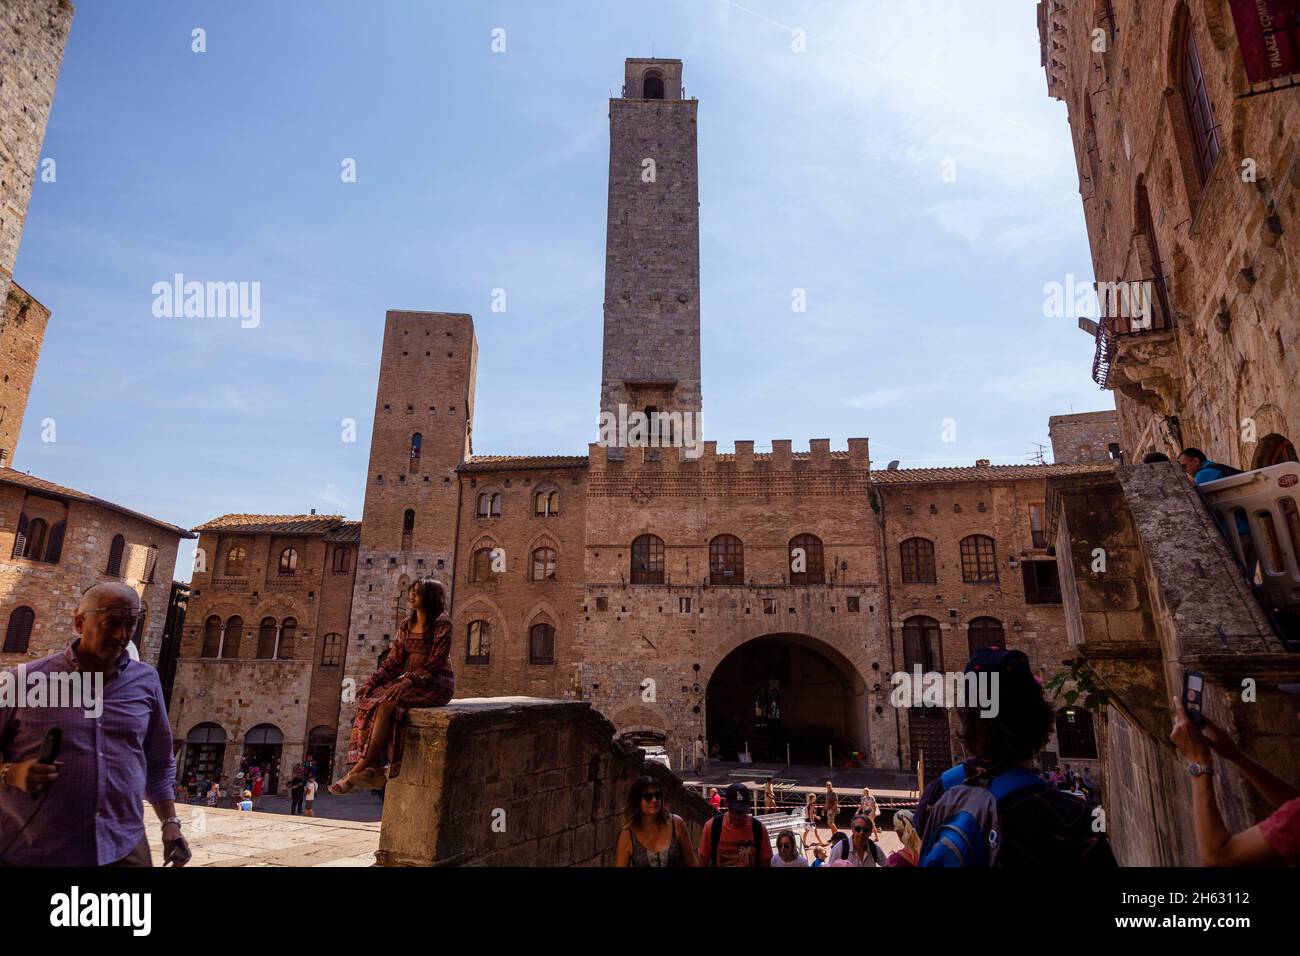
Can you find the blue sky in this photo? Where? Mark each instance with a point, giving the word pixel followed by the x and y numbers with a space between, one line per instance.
pixel 476 170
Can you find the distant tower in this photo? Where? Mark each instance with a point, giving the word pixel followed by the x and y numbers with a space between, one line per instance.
pixel 424 416
pixel 652 245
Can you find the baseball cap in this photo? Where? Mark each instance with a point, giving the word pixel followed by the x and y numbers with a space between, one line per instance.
pixel 738 797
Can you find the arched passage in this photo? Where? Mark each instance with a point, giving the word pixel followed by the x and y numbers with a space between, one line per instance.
pixel 787 690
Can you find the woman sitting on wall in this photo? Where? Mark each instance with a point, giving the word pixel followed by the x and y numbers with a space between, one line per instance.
pixel 416 672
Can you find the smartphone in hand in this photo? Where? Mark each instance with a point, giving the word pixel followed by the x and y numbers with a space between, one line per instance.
pixel 1193 696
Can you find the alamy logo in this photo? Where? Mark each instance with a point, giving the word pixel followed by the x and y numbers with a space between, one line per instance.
pixel 655 429
pixel 72 689
pixel 208 300
pixel 951 689
pixel 1121 300
pixel 102 909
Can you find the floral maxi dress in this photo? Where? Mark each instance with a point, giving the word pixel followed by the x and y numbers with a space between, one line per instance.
pixel 416 673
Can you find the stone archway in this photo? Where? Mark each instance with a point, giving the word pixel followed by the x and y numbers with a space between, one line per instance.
pixel 787 690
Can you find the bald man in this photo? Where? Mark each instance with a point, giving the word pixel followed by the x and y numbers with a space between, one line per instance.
pixel 86 808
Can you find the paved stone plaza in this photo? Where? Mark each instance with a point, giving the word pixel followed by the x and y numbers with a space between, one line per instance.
pixel 232 838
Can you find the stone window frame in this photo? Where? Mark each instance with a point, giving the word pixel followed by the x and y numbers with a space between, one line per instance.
pixel 116 552
pixel 241 568
pixel 235 622
pixel 1192 115
pixel 654 73
pixel 287 568
pixel 481 546
pixel 984 632
pixel 331 652
pixel 538 547
pixel 488 504
pixel 551 506
pixel 211 638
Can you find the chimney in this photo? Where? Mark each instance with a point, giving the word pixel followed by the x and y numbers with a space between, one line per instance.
pixel 981 463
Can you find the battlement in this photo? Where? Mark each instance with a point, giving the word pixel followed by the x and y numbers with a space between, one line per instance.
pixel 781 459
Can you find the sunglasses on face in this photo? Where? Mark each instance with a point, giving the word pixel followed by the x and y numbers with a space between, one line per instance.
pixel 861 830
pixel 650 795
pixel 785 846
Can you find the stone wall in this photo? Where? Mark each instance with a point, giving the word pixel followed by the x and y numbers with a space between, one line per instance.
pixel 1226 242
pixel 516 781
pixel 1168 598
pixel 53 590
pixel 1086 436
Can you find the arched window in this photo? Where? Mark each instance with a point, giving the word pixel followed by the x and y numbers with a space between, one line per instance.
pixel 331 650
pixel 342 560
pixel 1075 738
pixel 478 650
pixel 115 550
pixel 807 565
pixel 266 634
pixel 544 564
pixel 921 644
pixel 917 556
pixel 541 644
pixel 978 561
pixel 546 503
pixel 1198 111
pixel 288 562
pixel 288 634
pixel 648 560
pixel 230 637
pixel 408 528
pixel 416 441
pixel 211 637
pixel 205 750
pixel 480 568
pixel 236 559
pixel 984 632
pixel 726 560
pixel 653 87
pixel 19 632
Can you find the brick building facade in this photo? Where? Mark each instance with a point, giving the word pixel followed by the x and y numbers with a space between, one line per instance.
pixel 761 598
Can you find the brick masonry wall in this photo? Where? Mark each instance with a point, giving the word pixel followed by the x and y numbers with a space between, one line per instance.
pixel 512 601
pixel 1036 629
pixel 22 332
pixel 295 694
pixel 33 34
pixel 426 385
pixel 53 590
pixel 1214 376
pixel 516 782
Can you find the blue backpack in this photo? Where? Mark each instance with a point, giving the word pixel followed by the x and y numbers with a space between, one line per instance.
pixel 962 827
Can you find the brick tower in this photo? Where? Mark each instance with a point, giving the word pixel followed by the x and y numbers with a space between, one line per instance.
pixel 652 246
pixel 424 414
pixel 35 33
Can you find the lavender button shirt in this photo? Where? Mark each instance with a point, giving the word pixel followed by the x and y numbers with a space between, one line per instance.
pixel 94 813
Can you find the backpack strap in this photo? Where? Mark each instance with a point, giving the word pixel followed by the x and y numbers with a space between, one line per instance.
pixel 954 776
pixel 714 837
pixel 758 840
pixel 1013 781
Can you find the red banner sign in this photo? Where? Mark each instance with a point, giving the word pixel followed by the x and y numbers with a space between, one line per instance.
pixel 1268 32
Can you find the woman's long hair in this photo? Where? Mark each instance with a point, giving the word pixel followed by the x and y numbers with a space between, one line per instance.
pixel 433 601
pixel 634 800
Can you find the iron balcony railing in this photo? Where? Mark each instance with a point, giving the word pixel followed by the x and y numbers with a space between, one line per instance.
pixel 1113 327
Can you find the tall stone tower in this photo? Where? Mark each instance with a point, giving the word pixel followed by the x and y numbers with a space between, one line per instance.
pixel 652 246
pixel 424 415
pixel 33 34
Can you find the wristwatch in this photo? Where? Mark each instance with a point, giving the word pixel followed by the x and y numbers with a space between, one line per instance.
pixel 175 820
pixel 1200 769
